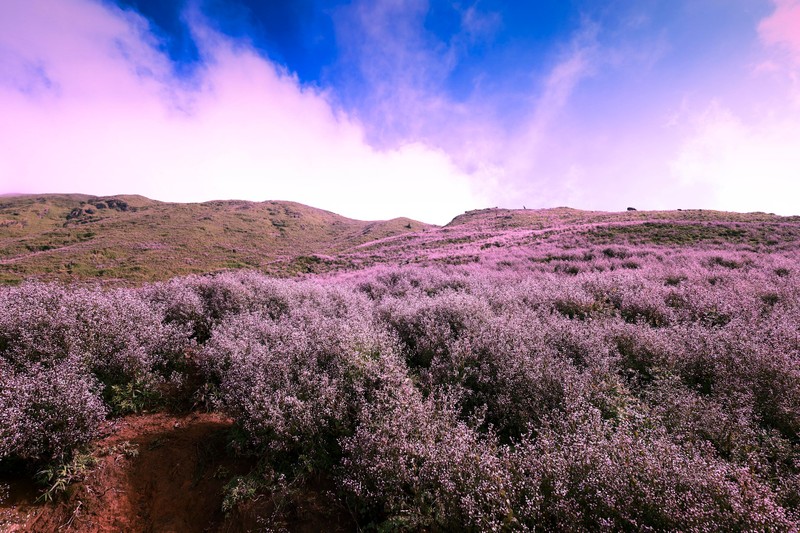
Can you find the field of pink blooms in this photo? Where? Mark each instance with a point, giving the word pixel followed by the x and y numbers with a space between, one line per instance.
pixel 644 378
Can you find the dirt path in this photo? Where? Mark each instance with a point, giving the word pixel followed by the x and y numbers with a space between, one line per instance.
pixel 177 479
pixel 164 473
pixel 14 259
pixel 155 473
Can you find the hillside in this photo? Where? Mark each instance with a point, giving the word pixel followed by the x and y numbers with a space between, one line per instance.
pixel 514 370
pixel 503 238
pixel 132 239
pixel 74 236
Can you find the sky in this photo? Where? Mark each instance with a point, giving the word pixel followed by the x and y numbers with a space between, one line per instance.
pixel 375 109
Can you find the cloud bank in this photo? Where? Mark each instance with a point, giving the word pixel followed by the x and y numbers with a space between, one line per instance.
pixel 745 153
pixel 91 104
pixel 622 107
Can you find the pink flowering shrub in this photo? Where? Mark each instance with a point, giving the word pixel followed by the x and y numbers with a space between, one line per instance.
pixel 296 382
pixel 581 473
pixel 34 325
pixel 413 465
pixel 45 412
pixel 116 335
pixel 110 331
pixel 180 305
pixel 123 338
pixel 387 281
pixel 69 355
pixel 571 383
pixel 428 327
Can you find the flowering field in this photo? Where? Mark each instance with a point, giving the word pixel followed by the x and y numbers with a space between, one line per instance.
pixel 493 375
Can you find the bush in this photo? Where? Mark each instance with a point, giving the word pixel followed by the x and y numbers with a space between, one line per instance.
pixel 45 413
pixel 454 398
pixel 296 383
pixel 584 474
pixel 413 465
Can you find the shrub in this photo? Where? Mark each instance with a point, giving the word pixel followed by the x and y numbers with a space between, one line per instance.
pixel 46 412
pixel 115 334
pixel 467 397
pixel 581 473
pixel 412 465
pixel 295 384
pixel 428 327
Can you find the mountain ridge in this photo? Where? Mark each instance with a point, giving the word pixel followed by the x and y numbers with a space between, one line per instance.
pixel 66 236
pixel 131 239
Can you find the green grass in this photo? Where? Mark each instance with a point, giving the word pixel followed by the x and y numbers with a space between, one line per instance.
pixel 56 478
pixel 40 237
pixel 664 234
pixel 56 237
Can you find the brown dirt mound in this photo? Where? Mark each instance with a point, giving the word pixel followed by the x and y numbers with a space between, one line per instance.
pixel 162 473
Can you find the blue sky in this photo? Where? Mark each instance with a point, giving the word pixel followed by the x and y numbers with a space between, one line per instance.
pixel 422 108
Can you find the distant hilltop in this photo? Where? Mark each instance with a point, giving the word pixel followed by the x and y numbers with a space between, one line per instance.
pixel 132 239
pixel 129 237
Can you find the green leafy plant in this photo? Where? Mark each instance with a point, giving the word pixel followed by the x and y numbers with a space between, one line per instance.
pixel 56 478
pixel 125 448
pixel 132 397
pixel 241 489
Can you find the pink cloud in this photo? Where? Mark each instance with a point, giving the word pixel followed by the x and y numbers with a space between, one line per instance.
pixel 782 28
pixel 90 104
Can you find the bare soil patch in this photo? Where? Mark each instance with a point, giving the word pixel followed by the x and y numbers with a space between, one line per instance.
pixel 163 473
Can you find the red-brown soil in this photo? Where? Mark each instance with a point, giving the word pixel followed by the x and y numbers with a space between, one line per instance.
pixel 164 473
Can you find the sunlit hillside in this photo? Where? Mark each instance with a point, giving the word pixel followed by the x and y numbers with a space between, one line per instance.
pixel 514 370
pixel 133 239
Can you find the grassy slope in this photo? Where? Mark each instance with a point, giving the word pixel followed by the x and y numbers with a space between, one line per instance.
pixel 57 237
pixel 477 236
pixel 143 239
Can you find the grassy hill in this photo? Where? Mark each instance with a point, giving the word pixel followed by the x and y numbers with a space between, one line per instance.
pixel 132 239
pixel 550 369
pixel 499 236
pixel 74 236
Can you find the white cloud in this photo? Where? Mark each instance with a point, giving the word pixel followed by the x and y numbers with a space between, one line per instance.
pixel 533 156
pixel 111 119
pixel 745 152
pixel 748 166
